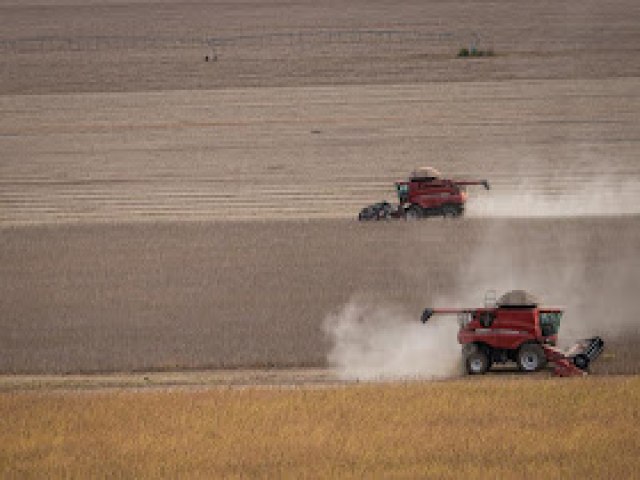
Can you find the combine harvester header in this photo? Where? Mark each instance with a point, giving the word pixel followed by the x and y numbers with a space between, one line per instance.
pixel 516 329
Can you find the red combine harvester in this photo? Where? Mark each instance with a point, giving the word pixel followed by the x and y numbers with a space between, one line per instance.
pixel 425 194
pixel 516 329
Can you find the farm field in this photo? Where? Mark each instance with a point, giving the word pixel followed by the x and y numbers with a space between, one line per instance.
pixel 185 290
pixel 317 152
pixel 535 429
pixel 313 109
pixel 132 297
pixel 62 46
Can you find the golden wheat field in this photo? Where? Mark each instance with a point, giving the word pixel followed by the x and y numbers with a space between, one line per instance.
pixel 185 290
pixel 491 428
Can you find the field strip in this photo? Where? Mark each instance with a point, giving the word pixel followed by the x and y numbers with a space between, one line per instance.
pixel 557 428
pixel 239 378
pixel 317 152
pixel 232 378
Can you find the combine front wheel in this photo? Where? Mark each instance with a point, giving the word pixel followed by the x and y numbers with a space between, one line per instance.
pixel 531 357
pixel 477 363
pixel 414 212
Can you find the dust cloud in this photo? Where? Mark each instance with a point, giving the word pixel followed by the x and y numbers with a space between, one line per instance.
pixel 558 252
pixel 567 258
pixel 602 197
pixel 595 284
pixel 378 342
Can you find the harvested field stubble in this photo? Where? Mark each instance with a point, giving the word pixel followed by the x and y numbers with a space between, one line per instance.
pixel 142 46
pixel 493 428
pixel 135 297
pixel 166 296
pixel 251 154
pixel 311 111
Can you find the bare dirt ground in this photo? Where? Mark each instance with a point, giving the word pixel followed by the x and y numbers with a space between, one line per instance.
pixel 309 152
pixel 186 295
pixel 162 212
pixel 280 378
pixel 110 45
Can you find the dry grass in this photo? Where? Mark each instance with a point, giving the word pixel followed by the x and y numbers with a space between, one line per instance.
pixel 492 428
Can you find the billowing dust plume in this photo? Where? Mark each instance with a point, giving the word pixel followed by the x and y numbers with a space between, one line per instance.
pixel 376 342
pixel 561 239
pixel 596 197
pixel 573 266
pixel 569 247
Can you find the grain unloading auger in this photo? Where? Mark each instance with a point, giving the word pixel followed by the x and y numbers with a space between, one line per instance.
pixel 516 329
pixel 425 194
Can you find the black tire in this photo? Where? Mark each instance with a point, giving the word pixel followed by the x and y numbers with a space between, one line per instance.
pixel 450 211
pixel 414 212
pixel 530 357
pixel 477 362
pixel 581 361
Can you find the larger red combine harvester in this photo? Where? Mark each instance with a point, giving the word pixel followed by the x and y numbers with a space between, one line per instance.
pixel 424 194
pixel 516 329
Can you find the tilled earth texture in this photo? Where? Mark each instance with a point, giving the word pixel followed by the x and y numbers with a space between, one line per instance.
pixel 160 211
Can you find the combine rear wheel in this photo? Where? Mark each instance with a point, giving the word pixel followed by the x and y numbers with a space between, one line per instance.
pixel 531 357
pixel 450 211
pixel 477 363
pixel 414 212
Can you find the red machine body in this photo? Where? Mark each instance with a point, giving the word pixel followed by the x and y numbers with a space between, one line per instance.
pixel 433 196
pixel 424 194
pixel 517 330
pixel 508 327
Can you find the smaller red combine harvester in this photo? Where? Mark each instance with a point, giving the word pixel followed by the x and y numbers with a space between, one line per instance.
pixel 425 194
pixel 516 329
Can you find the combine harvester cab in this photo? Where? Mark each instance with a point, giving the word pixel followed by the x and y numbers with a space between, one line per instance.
pixel 516 329
pixel 424 194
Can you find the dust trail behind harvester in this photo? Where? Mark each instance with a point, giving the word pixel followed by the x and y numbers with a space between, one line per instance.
pixel 594 282
pixel 374 342
pixel 603 197
pixel 581 272
pixel 530 238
